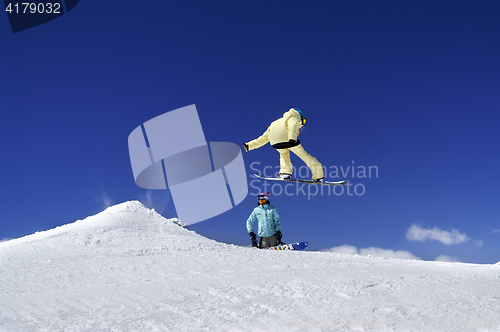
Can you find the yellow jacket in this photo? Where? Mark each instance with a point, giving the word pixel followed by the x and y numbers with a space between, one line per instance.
pixel 280 132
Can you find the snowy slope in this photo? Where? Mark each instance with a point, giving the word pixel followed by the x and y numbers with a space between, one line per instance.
pixel 130 269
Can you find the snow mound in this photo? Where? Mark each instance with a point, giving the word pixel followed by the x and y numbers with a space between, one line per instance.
pixel 128 225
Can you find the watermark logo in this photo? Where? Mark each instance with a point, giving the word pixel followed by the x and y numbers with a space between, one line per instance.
pixel 205 179
pixel 351 172
pixel 28 14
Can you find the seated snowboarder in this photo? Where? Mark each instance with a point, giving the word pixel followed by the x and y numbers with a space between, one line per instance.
pixel 268 220
pixel 282 134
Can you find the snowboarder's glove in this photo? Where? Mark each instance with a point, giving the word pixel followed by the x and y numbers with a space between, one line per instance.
pixel 278 237
pixel 246 149
pixel 254 239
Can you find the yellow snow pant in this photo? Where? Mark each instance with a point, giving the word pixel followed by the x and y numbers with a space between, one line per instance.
pixel 311 162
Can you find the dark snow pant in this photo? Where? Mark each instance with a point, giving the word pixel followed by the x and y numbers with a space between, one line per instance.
pixel 266 242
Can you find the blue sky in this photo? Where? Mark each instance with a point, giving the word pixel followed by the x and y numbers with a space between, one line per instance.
pixel 411 88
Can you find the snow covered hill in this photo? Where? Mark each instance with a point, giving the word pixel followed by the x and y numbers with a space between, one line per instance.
pixel 130 269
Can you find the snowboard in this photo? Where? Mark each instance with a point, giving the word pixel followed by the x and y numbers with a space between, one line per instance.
pixel 325 183
pixel 291 246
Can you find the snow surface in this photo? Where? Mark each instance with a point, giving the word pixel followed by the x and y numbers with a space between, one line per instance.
pixel 130 269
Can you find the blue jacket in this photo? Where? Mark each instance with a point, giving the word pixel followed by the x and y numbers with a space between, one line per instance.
pixel 268 220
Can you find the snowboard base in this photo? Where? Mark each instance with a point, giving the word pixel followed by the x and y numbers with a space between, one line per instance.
pixel 325 183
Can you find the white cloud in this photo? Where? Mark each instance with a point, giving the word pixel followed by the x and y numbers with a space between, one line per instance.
pixel 444 258
pixel 417 233
pixel 495 230
pixel 345 249
pixel 372 251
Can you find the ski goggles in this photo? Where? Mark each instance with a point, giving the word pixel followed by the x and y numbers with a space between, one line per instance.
pixel 303 121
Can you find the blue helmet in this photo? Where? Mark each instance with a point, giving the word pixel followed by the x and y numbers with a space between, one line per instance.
pixel 300 112
pixel 302 117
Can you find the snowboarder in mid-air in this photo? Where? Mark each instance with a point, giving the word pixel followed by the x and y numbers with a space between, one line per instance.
pixel 282 134
pixel 268 220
